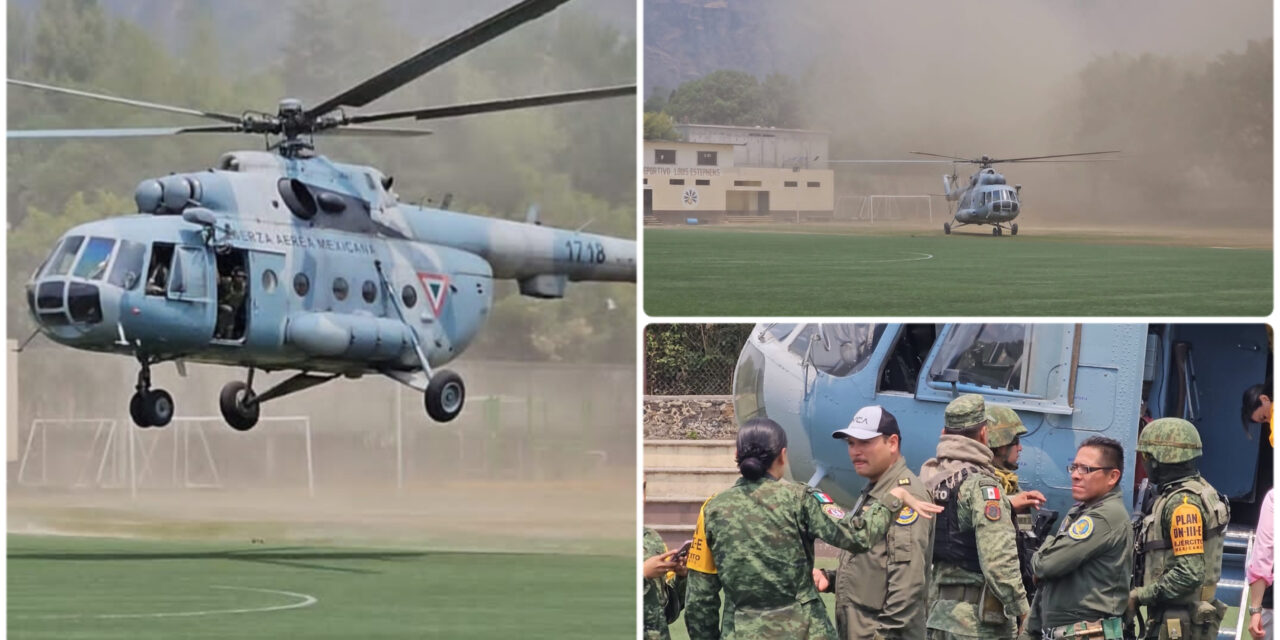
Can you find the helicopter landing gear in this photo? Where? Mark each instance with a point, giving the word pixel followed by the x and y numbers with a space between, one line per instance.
pixel 946 228
pixel 995 231
pixel 1013 229
pixel 444 396
pixel 149 407
pixel 239 405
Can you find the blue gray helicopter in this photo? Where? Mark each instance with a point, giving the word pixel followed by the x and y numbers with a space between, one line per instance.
pixel 286 260
pixel 1066 382
pixel 987 199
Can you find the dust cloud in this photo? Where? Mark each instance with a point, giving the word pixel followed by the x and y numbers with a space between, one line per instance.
pixel 542 459
pixel 1182 88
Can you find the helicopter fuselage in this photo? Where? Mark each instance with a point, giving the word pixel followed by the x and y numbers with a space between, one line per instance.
pixel 334 274
pixel 986 200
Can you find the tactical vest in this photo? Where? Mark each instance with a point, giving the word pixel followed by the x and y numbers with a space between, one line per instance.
pixel 950 544
pixel 1159 549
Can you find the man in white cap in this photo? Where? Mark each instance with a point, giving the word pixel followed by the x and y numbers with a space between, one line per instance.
pixel 882 593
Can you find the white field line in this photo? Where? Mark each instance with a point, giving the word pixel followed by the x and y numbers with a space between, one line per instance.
pixel 304 601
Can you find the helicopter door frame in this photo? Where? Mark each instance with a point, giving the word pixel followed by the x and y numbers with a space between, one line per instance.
pixel 189 261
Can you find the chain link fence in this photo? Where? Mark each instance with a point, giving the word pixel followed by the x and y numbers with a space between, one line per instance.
pixel 692 359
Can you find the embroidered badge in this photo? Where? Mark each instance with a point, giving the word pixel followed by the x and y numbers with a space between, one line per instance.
pixel 1186 530
pixel 1080 529
pixel 823 498
pixel 991 493
pixel 904 480
pixel 833 511
pixel 907 516
pixel 992 512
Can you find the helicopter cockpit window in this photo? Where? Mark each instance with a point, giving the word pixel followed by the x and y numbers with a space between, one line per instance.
pixel 94 259
pixel 837 349
pixel 127 270
pixel 985 355
pixel 779 331
pixel 61 262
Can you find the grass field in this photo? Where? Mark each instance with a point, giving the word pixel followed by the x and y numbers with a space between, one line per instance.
pixel 67 587
pixel 842 271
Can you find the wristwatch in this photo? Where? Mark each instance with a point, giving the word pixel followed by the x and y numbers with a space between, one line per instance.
pixel 1255 610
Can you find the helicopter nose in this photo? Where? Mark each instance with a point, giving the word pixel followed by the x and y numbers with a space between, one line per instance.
pixel 71 311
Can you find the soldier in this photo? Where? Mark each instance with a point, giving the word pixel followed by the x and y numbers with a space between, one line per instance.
pixel 976 588
pixel 664 586
pixel 1181 537
pixel 1083 572
pixel 755 541
pixel 1004 434
pixel 881 594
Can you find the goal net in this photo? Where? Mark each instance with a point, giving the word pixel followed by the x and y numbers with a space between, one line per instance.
pixel 916 209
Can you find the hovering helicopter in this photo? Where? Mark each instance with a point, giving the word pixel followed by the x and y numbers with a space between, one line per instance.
pixel 1066 382
pixel 987 199
pixel 285 260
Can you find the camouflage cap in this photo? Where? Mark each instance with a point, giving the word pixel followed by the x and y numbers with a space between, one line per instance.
pixel 1003 425
pixel 1170 441
pixel 966 412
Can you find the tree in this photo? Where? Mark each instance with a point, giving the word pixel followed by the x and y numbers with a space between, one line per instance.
pixel 721 97
pixel 659 126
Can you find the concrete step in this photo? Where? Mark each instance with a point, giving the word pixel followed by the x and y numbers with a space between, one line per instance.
pixel 671 482
pixel 690 453
pixel 682 511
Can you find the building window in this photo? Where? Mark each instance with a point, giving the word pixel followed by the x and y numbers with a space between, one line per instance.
pixel 790 183
pixel 702 183
pixel 677 181
pixel 646 181
pixel 746 183
pixel 664 156
pixel 707 158
pixel 813 184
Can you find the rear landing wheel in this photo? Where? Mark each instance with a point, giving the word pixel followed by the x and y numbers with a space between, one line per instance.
pixel 444 396
pixel 1013 229
pixel 239 406
pixel 946 228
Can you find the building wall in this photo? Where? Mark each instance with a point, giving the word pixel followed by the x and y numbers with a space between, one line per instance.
pixel 764 146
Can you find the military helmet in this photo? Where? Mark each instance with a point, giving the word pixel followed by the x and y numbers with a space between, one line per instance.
pixel 1170 441
pixel 1003 426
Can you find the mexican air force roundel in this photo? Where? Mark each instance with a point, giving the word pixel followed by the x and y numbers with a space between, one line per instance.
pixel 833 511
pixel 992 512
pixel 1081 528
pixel 907 516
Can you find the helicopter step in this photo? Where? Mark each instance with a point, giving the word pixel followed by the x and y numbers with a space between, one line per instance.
pixel 149 407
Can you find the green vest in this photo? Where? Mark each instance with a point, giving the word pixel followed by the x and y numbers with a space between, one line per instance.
pixel 1156 538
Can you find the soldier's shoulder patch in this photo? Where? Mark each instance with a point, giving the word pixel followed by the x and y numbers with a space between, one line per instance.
pixel 833 511
pixel 822 498
pixel 904 481
pixel 991 492
pixel 1080 529
pixel 992 512
pixel 1186 530
pixel 907 516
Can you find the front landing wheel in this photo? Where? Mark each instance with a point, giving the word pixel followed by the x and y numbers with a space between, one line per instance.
pixel 239 406
pixel 946 228
pixel 444 396
pixel 1013 229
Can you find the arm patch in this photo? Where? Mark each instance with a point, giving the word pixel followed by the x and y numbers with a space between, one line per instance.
pixel 700 552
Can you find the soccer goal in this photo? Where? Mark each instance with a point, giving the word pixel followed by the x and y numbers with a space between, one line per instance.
pixel 893 208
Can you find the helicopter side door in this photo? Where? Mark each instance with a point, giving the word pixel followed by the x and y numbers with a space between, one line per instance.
pixel 190 294
pixel 265 315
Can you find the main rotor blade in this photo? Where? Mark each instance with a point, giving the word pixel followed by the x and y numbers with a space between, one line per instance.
pixel 135 103
pixel 938 155
pixel 1061 155
pixel 507 104
pixel 373 131
pixel 436 55
pixel 890 161
pixel 120 133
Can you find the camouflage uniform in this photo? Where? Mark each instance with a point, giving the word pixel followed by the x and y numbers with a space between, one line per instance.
pixel 881 594
pixel 1182 537
pixel 1083 571
pixel 663 596
pixel 978 595
pixel 1003 425
pixel 755 541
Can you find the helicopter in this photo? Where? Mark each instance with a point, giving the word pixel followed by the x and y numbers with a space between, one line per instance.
pixel 286 260
pixel 987 199
pixel 1066 382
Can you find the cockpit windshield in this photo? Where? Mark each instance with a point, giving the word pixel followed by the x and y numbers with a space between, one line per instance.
pixel 63 256
pixel 93 262
pixel 127 270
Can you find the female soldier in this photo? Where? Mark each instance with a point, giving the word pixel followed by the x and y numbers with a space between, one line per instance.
pixel 755 541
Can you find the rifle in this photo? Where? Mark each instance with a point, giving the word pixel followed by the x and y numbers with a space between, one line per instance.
pixel 1144 500
pixel 1029 542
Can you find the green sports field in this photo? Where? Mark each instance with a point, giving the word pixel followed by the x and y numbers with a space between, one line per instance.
pixel 67 587
pixel 842 271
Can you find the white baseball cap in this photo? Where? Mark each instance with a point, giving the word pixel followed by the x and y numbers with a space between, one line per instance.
pixel 870 422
